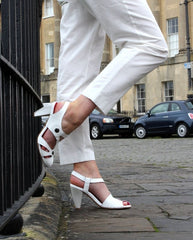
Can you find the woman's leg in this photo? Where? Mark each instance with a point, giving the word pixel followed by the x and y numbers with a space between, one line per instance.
pixel 82 41
pixel 130 25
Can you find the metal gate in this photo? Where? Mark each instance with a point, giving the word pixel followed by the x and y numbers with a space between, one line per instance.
pixel 20 166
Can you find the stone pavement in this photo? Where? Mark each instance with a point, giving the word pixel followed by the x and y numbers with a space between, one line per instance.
pixel 154 174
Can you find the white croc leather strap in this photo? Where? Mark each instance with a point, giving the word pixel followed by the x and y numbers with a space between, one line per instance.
pixel 86 180
pixel 111 202
pixel 83 178
pixel 46 110
pixel 55 122
pixel 87 184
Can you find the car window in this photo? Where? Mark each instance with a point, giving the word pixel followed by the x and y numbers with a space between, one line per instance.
pixel 112 111
pixel 161 108
pixel 95 111
pixel 189 105
pixel 175 107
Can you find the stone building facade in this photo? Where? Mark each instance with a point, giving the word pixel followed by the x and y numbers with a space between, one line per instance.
pixel 170 81
pixel 49 48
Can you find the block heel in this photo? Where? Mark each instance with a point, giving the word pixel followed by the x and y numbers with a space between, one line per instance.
pixel 76 196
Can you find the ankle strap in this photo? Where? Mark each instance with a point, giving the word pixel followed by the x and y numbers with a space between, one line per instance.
pixel 85 179
pixel 54 123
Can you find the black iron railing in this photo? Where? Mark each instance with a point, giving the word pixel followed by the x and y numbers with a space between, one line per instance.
pixel 20 166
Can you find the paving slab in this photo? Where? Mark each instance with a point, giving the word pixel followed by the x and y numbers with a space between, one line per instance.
pixel 110 225
pixel 131 236
pixel 178 211
pixel 173 225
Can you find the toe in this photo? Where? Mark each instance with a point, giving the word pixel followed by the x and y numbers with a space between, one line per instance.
pixel 126 203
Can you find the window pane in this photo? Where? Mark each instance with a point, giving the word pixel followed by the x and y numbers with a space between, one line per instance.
pixel 45 98
pixel 160 108
pixel 48 8
pixel 141 98
pixel 172 25
pixel 49 58
pixel 173 37
pixel 169 90
pixel 175 107
pixel 189 105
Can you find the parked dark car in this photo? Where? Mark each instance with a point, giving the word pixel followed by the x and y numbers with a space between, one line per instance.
pixel 167 118
pixel 112 123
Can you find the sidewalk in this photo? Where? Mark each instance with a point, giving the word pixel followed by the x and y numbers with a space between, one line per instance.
pixel 155 175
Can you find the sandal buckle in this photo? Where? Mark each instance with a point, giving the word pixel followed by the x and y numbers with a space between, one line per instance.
pixel 57 130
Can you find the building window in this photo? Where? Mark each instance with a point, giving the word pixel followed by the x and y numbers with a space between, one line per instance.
pixel 173 37
pixel 48 8
pixel 49 58
pixel 45 98
pixel 169 91
pixel 141 98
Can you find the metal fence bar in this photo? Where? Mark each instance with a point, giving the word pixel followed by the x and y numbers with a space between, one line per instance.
pixel 1 147
pixel 20 165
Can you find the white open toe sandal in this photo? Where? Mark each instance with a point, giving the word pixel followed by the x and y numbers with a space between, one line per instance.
pixel 109 203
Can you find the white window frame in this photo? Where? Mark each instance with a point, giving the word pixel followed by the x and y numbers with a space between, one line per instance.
pixel 49 58
pixel 168 91
pixel 48 8
pixel 141 96
pixel 173 36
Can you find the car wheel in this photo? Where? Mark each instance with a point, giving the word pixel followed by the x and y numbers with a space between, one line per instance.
pixel 140 132
pixel 182 130
pixel 95 131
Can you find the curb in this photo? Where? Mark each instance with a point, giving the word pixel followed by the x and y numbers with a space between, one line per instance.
pixel 41 215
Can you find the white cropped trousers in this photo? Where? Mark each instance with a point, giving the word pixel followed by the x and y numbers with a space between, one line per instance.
pixel 132 27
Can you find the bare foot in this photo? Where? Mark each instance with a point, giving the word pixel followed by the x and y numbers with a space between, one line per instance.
pixel 99 190
pixel 90 169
